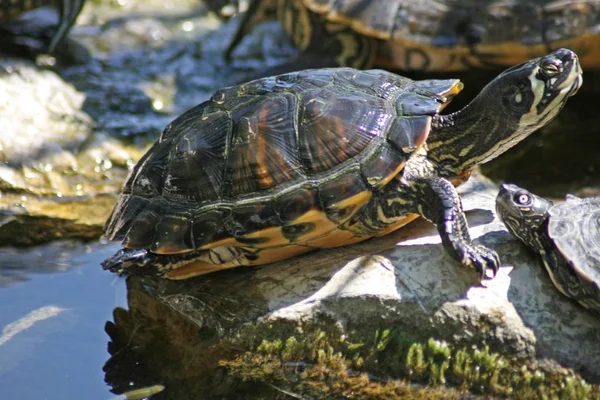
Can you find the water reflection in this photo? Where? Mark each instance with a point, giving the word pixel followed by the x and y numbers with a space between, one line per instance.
pixel 53 304
pixel 16 264
pixel 152 343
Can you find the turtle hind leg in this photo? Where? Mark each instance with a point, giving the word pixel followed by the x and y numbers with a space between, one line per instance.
pixel 440 203
pixel 225 257
pixel 208 261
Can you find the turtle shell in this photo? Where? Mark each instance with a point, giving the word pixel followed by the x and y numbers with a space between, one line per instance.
pixel 574 226
pixel 275 161
pixel 458 35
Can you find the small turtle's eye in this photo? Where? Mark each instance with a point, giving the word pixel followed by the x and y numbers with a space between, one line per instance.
pixel 552 68
pixel 522 199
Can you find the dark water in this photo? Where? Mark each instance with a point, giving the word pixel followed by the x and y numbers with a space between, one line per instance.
pixel 60 353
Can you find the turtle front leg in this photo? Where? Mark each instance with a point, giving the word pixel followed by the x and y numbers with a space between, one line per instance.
pixel 439 202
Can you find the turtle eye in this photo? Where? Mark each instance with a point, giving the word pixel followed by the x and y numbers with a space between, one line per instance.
pixel 552 68
pixel 522 199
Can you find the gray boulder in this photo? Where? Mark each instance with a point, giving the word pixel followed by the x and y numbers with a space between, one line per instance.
pixel 396 307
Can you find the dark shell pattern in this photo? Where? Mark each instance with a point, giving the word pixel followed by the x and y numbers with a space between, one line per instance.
pixel 442 23
pixel 275 160
pixel 574 226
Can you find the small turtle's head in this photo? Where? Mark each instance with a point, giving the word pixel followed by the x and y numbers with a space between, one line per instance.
pixel 523 213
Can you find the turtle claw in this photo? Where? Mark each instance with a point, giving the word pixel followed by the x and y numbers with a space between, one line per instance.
pixel 481 259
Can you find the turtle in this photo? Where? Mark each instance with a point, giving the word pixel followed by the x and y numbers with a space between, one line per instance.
pixel 427 35
pixel 14 34
pixel 280 166
pixel 565 235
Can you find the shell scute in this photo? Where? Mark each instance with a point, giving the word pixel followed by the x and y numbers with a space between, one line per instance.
pixel 263 147
pixel 119 222
pixel 173 234
pixel 408 133
pixel 574 226
pixel 448 88
pixel 295 203
pixel 305 80
pixel 376 82
pixel 343 186
pixel 208 226
pixel 252 217
pixel 195 172
pixel 335 127
pixel 411 103
pixel 143 228
pixel 383 165
pixel 147 178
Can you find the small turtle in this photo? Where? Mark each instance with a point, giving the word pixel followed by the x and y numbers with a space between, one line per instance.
pixel 279 166
pixel 427 35
pixel 565 235
pixel 15 34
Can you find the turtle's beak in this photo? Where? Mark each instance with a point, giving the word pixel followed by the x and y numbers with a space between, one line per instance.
pixel 574 79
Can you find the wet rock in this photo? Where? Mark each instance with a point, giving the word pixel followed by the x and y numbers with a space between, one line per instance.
pixel 57 174
pixel 28 35
pixel 359 318
pixel 66 148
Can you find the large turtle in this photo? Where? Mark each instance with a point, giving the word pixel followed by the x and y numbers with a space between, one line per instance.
pixel 428 35
pixel 565 235
pixel 323 158
pixel 15 35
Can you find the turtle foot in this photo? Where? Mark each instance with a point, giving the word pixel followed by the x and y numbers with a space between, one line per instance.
pixel 481 259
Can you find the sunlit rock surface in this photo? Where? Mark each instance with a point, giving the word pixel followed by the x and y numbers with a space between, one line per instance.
pixel 402 285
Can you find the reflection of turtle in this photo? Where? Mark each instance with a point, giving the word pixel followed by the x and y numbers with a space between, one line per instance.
pixel 428 35
pixel 13 36
pixel 323 158
pixel 566 235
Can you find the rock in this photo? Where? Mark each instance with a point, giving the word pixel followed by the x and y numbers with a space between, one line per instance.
pixel 66 148
pixel 58 176
pixel 29 34
pixel 355 320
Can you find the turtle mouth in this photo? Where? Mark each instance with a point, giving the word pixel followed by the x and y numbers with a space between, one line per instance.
pixel 577 84
pixel 573 79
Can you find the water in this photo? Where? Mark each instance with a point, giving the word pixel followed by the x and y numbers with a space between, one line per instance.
pixel 60 353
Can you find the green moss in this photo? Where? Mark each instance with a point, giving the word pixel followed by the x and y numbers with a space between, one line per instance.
pixel 323 361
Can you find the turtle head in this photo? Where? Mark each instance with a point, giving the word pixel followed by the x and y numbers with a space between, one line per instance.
pixel 517 102
pixel 534 92
pixel 523 213
pixel 526 97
